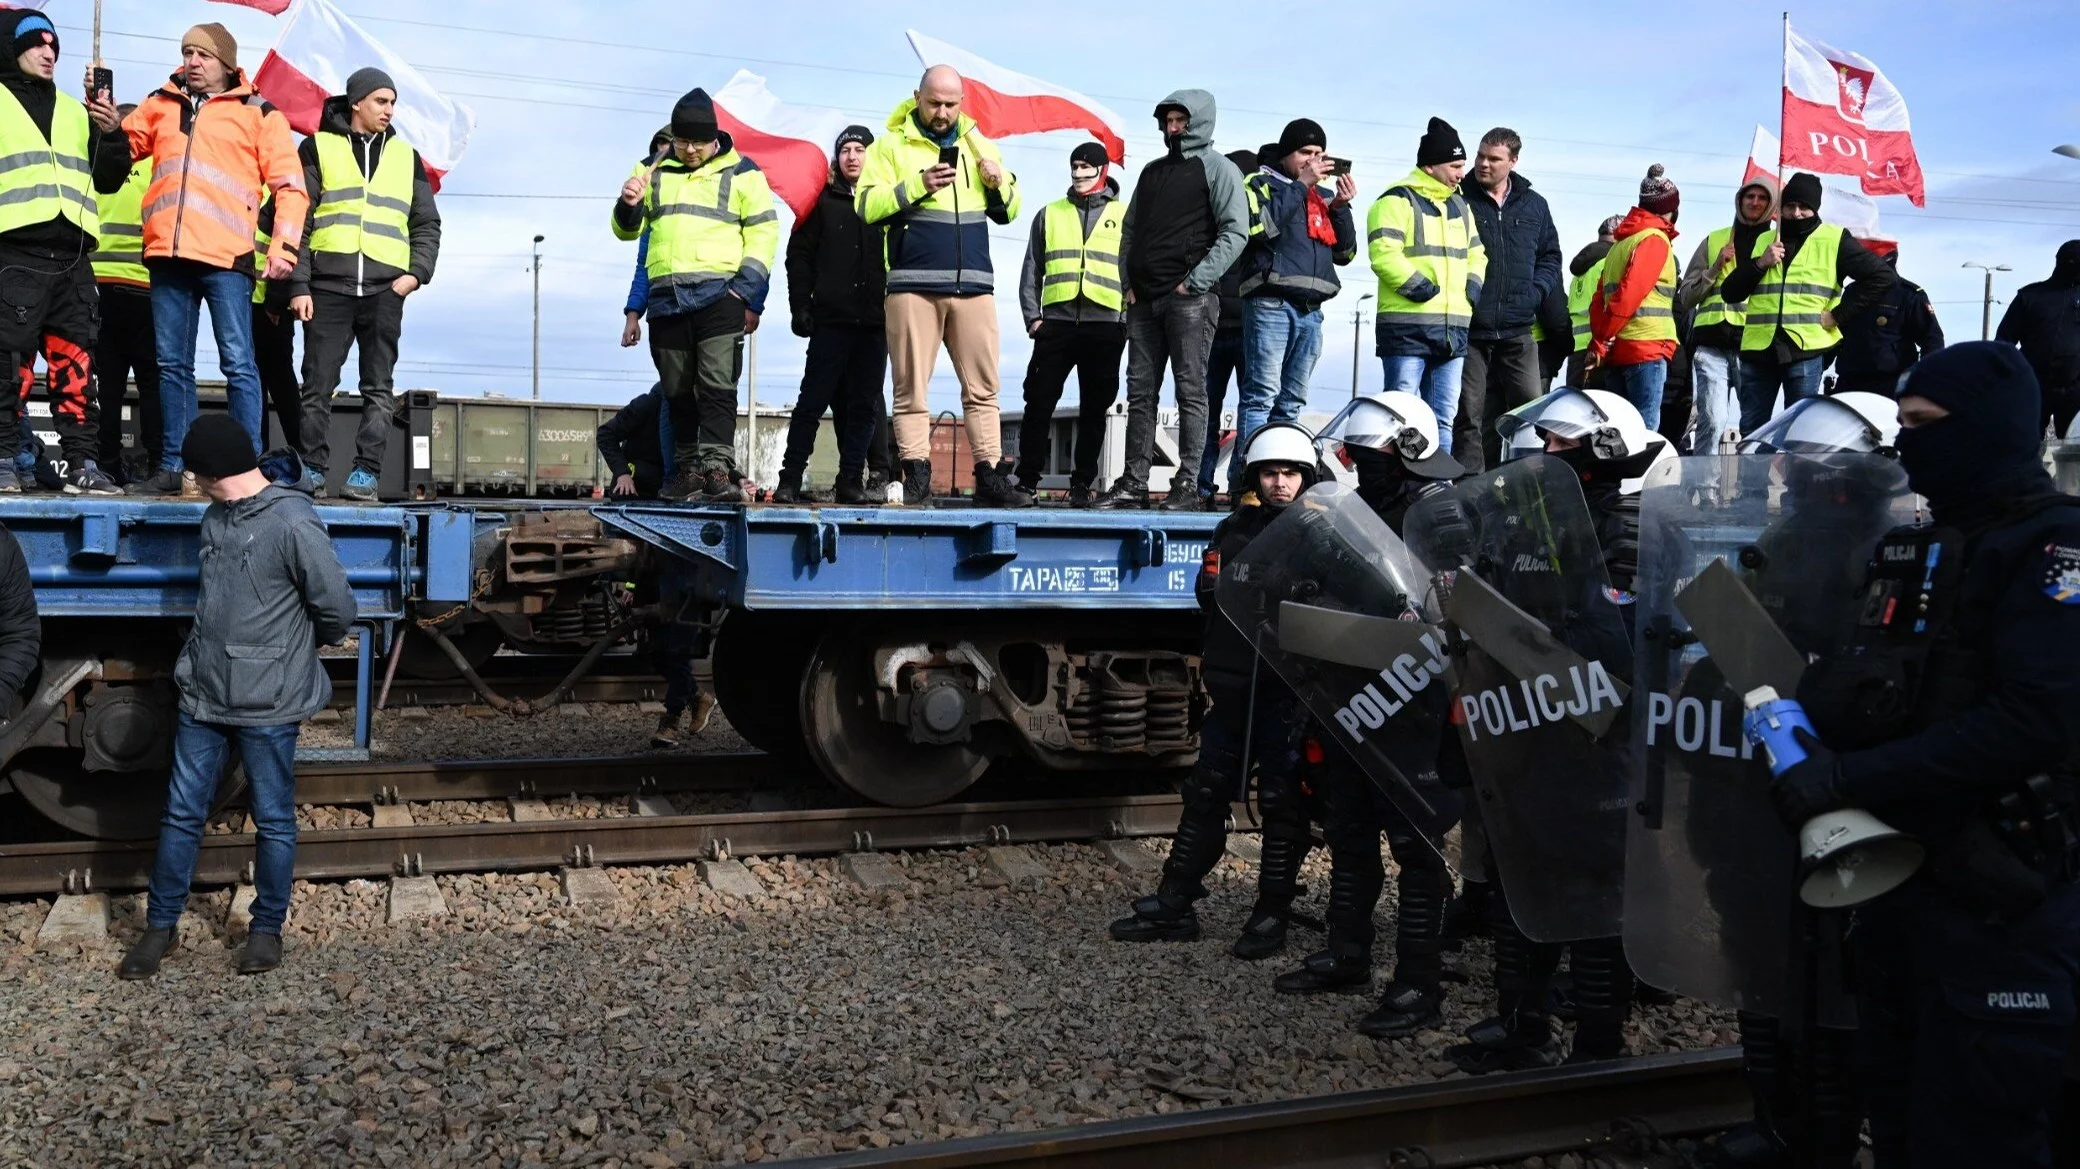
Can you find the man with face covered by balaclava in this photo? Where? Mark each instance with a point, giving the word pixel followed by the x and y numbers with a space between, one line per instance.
pixel 1956 719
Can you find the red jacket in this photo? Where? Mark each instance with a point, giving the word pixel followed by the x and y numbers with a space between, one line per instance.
pixel 1641 273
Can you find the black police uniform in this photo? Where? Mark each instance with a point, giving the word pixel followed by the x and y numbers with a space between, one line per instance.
pixel 1270 728
pixel 1886 340
pixel 1965 975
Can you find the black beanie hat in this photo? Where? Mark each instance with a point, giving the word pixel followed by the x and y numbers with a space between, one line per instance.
pixel 1267 155
pixel 217 446
pixel 33 29
pixel 693 118
pixel 1440 144
pixel 1244 161
pixel 1300 133
pixel 853 133
pixel 1091 154
pixel 366 81
pixel 1804 190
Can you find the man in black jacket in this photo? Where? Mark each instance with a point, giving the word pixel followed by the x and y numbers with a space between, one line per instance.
pixel 350 286
pixel 1523 247
pixel 2044 318
pixel 835 286
pixel 21 632
pixel 1885 342
pixel 632 445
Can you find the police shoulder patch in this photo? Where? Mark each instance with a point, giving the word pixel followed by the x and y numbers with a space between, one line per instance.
pixel 2062 573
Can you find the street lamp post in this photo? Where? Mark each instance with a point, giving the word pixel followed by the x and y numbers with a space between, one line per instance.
pixel 1986 308
pixel 536 392
pixel 1357 336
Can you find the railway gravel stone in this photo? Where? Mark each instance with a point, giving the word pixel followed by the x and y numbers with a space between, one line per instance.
pixel 1131 856
pixel 678 1026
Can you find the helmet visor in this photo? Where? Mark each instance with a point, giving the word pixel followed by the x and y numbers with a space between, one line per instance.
pixel 1566 412
pixel 1814 426
pixel 1369 424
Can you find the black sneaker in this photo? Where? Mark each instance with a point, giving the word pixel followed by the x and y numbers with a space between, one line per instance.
pixel 722 487
pixel 88 479
pixel 1079 495
pixel 161 482
pixel 852 493
pixel 992 489
pixel 1121 496
pixel 686 483
pixel 917 483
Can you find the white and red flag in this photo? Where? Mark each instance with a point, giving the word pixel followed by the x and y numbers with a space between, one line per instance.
pixel 1842 116
pixel 270 7
pixel 1005 104
pixel 319 48
pixel 1764 157
pixel 791 144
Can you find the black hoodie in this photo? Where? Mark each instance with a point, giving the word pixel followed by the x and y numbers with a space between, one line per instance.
pixel 39 98
pixel 357 275
pixel 2045 320
pixel 834 264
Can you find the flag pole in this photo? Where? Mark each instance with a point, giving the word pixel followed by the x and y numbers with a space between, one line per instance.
pixel 1785 88
pixel 97 33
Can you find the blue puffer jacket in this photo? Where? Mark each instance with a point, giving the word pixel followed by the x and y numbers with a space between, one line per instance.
pixel 1282 259
pixel 1523 258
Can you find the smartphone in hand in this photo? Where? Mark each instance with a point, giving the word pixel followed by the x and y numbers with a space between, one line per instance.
pixel 1338 167
pixel 950 155
pixel 101 83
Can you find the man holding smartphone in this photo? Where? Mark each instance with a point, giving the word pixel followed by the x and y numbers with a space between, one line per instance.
pixel 48 232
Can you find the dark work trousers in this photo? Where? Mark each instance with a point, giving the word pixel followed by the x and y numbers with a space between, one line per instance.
pixel 274 351
pixel 1270 734
pixel 1173 331
pixel 1355 810
pixel 842 372
pixel 127 348
pixel 372 324
pixel 49 305
pixel 1498 377
pixel 1093 350
pixel 2061 404
pixel 699 356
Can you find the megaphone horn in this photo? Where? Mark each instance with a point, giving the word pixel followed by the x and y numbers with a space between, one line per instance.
pixel 1848 857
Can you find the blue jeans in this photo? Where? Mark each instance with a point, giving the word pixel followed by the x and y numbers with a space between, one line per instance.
pixel 1222 363
pixel 1762 377
pixel 200 753
pixel 1436 382
pixel 1279 346
pixel 178 292
pixel 1640 385
pixel 1715 379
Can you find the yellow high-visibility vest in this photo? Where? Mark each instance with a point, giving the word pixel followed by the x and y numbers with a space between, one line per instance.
pixel 1074 265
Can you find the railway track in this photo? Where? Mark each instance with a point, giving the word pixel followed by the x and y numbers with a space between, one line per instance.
pixel 486 779
pixel 415 849
pixel 1618 1108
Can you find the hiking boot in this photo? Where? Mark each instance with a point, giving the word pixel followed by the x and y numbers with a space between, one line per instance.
pixel 1161 917
pixel 190 489
pixel 143 959
pixel 686 483
pixel 1183 497
pixel 703 711
pixel 790 488
pixel 993 489
pixel 851 493
pixel 1264 934
pixel 1404 1009
pixel 722 487
pixel 1344 969
pixel 667 733
pixel 1122 496
pixel 157 483
pixel 360 486
pixel 263 953
pixel 88 479
pixel 917 483
pixel 1079 495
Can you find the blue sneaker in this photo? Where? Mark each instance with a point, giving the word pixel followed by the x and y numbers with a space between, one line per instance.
pixel 360 485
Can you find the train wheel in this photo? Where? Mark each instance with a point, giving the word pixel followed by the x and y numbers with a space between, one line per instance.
pixel 758 664
pixel 424 660
pixel 105 805
pixel 849 740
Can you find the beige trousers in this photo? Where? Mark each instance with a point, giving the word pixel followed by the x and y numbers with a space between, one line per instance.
pixel 917 323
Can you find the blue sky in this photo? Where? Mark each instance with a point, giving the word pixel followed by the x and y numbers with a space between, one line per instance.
pixel 567 95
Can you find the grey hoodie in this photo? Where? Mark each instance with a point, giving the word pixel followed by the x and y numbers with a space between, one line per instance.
pixel 1189 218
pixel 1080 310
pixel 271 591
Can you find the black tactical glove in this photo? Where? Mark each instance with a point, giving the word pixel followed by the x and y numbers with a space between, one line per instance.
pixel 1450 527
pixel 1812 786
pixel 803 324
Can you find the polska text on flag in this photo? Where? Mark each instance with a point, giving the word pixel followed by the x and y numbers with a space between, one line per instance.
pixel 1843 116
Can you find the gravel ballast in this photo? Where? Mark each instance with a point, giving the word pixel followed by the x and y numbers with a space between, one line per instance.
pixel 677 1026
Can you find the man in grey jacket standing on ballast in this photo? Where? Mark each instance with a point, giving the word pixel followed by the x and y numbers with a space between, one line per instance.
pixel 1187 222
pixel 270 592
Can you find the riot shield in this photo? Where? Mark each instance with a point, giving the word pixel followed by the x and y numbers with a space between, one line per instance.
pixel 1541 689
pixel 1709 872
pixel 1337 606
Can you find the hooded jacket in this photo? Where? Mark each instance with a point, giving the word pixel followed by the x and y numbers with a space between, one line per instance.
pixel 834 270
pixel 1642 273
pixel 106 153
pixel 357 275
pixel 214 160
pixel 632 441
pixel 270 592
pixel 2044 319
pixel 1079 310
pixel 1523 250
pixel 1705 272
pixel 1189 219
pixel 934 242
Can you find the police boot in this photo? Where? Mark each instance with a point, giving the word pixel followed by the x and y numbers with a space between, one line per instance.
pixel 917 482
pixel 1756 1144
pixel 1404 1009
pixel 1415 999
pixel 1603 1000
pixel 1520 1035
pixel 1346 964
pixel 790 487
pixel 1165 916
pixel 1278 881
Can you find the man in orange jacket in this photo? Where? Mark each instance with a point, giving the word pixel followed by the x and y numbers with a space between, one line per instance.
pixel 1632 322
pixel 217 149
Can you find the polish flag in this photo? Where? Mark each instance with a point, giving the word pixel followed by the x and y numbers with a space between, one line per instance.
pixel 270 7
pixel 1005 104
pixel 1843 117
pixel 319 48
pixel 791 144
pixel 1852 211
pixel 1763 159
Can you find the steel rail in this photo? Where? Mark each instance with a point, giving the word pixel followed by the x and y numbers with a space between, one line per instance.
pixel 1577 1109
pixel 479 779
pixel 44 868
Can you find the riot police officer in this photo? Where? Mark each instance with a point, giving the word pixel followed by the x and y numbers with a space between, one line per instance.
pixel 1254 720
pixel 1603 439
pixel 1959 722
pixel 1392 441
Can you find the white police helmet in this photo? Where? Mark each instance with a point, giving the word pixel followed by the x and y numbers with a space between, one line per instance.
pixel 1394 423
pixel 1282 442
pixel 1849 423
pixel 1607 425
